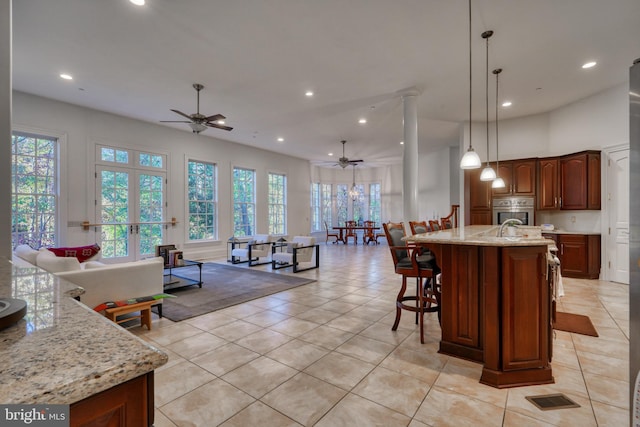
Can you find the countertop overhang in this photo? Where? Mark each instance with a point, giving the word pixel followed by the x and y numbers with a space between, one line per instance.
pixel 62 352
pixel 482 235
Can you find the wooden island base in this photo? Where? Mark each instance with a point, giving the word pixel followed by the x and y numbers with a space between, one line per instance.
pixel 496 304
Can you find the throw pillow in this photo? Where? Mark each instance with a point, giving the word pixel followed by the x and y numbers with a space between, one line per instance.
pixel 82 253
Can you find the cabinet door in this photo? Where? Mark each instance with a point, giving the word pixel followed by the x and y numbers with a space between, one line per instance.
pixel 573 182
pixel 526 310
pixel 480 217
pixel 479 191
pixel 504 171
pixel 573 255
pixel 523 178
pixel 547 196
pixel 593 181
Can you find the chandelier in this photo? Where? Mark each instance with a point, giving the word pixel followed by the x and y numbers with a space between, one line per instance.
pixel 353 192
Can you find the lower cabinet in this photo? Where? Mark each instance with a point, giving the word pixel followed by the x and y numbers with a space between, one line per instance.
pixel 579 254
pixel 127 404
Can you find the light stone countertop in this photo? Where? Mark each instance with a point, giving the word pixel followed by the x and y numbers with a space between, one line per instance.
pixel 483 235
pixel 62 352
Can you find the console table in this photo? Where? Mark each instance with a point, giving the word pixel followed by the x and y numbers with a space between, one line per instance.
pixel 172 281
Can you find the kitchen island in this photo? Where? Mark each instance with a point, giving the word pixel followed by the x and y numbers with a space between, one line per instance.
pixel 496 301
pixel 62 352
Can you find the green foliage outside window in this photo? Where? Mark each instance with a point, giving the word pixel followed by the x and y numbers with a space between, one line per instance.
pixel 202 204
pixel 244 215
pixel 277 203
pixel 33 190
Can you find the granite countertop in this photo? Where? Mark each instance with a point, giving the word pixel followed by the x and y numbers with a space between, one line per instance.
pixel 558 231
pixel 483 235
pixel 62 352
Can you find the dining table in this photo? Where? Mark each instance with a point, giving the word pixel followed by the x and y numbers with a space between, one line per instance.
pixel 341 232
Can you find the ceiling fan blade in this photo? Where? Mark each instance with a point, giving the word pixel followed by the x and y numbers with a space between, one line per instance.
pixel 356 161
pixel 215 125
pixel 215 117
pixel 182 114
pixel 175 121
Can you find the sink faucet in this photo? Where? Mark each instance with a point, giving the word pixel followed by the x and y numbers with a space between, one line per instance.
pixel 508 222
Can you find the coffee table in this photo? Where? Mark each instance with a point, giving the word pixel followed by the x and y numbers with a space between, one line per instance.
pixel 172 281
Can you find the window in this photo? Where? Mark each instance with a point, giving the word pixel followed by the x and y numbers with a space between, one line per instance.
pixel 327 203
pixel 374 203
pixel 342 203
pixel 34 190
pixel 359 205
pixel 244 202
pixel 316 216
pixel 277 203
pixel 202 203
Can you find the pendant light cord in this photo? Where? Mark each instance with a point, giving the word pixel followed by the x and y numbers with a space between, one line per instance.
pixel 470 80
pixel 497 71
pixel 486 36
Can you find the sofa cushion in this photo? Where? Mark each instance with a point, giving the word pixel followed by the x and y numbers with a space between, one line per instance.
pixel 47 260
pixel 82 253
pixel 27 253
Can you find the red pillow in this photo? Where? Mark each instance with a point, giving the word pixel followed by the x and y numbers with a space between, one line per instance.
pixel 83 253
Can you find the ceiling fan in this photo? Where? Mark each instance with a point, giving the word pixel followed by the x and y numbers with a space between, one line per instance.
pixel 199 122
pixel 343 161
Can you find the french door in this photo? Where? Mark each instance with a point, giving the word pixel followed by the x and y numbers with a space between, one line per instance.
pixel 130 205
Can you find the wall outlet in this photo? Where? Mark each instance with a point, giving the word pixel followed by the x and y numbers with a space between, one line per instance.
pixel 573 219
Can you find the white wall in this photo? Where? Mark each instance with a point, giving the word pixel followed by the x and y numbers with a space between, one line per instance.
pixel 84 128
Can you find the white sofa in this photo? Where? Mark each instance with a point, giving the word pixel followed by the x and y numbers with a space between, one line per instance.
pixel 101 282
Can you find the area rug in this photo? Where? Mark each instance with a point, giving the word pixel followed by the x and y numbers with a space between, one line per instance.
pixel 223 286
pixel 576 323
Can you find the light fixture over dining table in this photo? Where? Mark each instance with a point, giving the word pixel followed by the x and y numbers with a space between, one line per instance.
pixel 353 192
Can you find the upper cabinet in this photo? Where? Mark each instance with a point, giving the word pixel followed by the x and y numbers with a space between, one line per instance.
pixel 519 178
pixel 569 182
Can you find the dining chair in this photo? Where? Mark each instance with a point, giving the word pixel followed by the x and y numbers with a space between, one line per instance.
pixel 419 227
pixel 434 225
pixel 326 228
pixel 445 223
pixel 410 261
pixel 368 236
pixel 350 232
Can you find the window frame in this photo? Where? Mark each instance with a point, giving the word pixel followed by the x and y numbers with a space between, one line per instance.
pixel 281 207
pixel 251 204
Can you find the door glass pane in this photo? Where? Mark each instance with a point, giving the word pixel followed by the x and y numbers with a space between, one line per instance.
pixel 114 209
pixel 150 190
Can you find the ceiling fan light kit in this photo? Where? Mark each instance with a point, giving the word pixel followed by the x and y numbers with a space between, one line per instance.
pixel 344 161
pixel 199 122
pixel 470 160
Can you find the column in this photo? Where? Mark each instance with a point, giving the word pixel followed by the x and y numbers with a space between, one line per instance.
pixel 410 157
pixel 5 128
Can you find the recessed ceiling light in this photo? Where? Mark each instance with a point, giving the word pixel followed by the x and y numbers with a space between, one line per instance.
pixel 401 142
pixel 331 154
pixel 66 76
pixel 507 104
pixel 589 64
pixel 308 93
pixel 280 139
pixel 362 121
pixel 137 2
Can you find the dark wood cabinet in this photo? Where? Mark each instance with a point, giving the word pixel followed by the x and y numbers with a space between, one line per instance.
pixel 127 404
pixel 579 254
pixel 580 181
pixel 548 188
pixel 478 198
pixel 519 177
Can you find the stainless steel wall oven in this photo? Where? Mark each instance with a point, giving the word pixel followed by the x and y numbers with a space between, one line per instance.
pixel 522 208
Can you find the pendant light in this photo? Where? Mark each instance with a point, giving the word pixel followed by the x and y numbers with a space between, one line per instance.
pixel 470 160
pixel 488 174
pixel 354 193
pixel 498 182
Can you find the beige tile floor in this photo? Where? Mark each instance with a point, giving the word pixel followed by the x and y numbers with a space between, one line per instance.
pixel 324 354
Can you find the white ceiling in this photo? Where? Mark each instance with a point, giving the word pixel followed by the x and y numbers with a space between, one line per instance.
pixel 256 59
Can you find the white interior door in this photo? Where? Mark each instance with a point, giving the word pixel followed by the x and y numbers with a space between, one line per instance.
pixel 617 253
